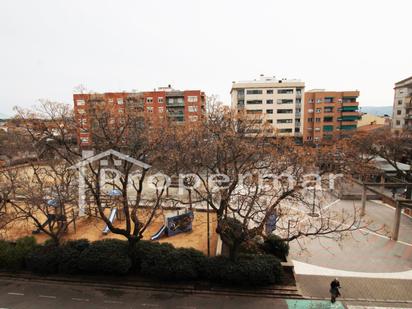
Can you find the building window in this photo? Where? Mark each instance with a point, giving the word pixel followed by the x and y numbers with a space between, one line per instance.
pixel 110 100
pixel 84 139
pixel 327 119
pixel 298 101
pixel 120 101
pixel 83 121
pixel 398 122
pixel 269 91
pixel 254 102
pixel 81 111
pixel 121 110
pixel 289 91
pixel 150 109
pixel 310 119
pixel 149 100
pixel 319 101
pixel 328 109
pixel 284 121
pixel 310 111
pixel 284 111
pixel 317 119
pixel 309 138
pixel 269 121
pixel 192 98
pixel 329 100
pixel 160 100
pixel 269 111
pixel 285 130
pixel 318 110
pixel 285 101
pixel 160 109
pixel 310 101
pixel 193 118
pixel 192 109
pixel 254 111
pixel 254 91
pixel 80 102
pixel 269 101
pixel 398 112
pixel 317 129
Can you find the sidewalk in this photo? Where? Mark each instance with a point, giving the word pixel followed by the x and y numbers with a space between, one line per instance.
pixel 359 289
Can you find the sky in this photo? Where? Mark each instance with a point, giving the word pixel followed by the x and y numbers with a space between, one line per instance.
pixel 49 47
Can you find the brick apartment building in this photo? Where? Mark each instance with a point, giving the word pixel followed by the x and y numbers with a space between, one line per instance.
pixel 329 114
pixel 163 104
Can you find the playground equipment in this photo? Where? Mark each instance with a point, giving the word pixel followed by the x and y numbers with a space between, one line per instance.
pixel 57 216
pixel 175 224
pixel 113 212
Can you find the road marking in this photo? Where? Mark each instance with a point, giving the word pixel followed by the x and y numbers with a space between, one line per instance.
pixel 47 296
pixel 80 299
pixel 16 294
pixel 113 302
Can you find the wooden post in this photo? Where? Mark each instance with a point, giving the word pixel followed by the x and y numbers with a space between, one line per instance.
pixel 363 210
pixel 74 220
pixel 397 221
pixel 208 230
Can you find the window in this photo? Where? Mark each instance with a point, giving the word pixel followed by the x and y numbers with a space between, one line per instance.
pixel 254 91
pixel 309 138
pixel 149 100
pixel 310 111
pixel 120 101
pixel 254 111
pixel 285 111
pixel 110 100
pixel 284 121
pixel 81 111
pixel 269 101
pixel 84 139
pixel 269 111
pixel 254 102
pixel 160 109
pixel 398 122
pixel 180 100
pixel 192 98
pixel 298 101
pixel 83 121
pixel 269 121
pixel 285 130
pixel 399 102
pixel 121 111
pixel 327 119
pixel 297 130
pixel 150 109
pixel 285 91
pixel 319 101
pixel 310 101
pixel 328 109
pixel 328 128
pixel 269 91
pixel 285 101
pixel 160 99
pixel 318 110
pixel 329 100
pixel 317 129
pixel 192 109
pixel 193 118
pixel 299 91
pixel 310 119
pixel 317 119
pixel 398 112
pixel 80 102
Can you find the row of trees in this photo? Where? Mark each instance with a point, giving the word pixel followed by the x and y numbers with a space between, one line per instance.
pixel 245 177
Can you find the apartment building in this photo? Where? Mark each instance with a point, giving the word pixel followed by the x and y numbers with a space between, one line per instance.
pixel 402 106
pixel 163 104
pixel 277 102
pixel 329 114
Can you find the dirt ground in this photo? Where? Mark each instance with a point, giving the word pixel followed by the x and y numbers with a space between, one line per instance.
pixel 91 229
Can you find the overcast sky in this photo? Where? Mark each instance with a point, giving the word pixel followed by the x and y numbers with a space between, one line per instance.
pixel 49 47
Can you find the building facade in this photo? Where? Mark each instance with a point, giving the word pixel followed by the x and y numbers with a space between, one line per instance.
pixel 329 114
pixel 278 102
pixel 160 105
pixel 402 106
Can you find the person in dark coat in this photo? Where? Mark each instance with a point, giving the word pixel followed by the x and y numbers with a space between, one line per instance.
pixel 334 290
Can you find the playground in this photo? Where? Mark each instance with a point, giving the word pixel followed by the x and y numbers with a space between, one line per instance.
pixel 93 228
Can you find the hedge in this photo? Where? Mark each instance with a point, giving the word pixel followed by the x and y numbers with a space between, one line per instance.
pixel 43 259
pixel 276 246
pixel 69 256
pixel 12 255
pixel 109 256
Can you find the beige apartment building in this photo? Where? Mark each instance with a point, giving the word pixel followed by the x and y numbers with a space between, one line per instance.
pixel 402 106
pixel 277 102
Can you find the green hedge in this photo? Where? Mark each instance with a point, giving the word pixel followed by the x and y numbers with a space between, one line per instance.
pixel 255 270
pixel 151 259
pixel 109 256
pixel 12 255
pixel 276 246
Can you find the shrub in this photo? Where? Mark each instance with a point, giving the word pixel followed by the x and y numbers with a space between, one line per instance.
pixel 175 264
pixel 254 270
pixel 107 256
pixel 43 259
pixel 12 256
pixel 276 246
pixel 70 255
pixel 144 250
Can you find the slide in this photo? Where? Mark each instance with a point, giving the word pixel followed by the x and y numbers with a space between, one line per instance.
pixel 159 233
pixel 111 219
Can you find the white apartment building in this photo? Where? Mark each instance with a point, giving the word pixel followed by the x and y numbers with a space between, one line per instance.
pixel 402 106
pixel 278 102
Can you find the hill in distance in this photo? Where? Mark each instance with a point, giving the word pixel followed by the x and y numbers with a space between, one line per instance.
pixel 377 110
